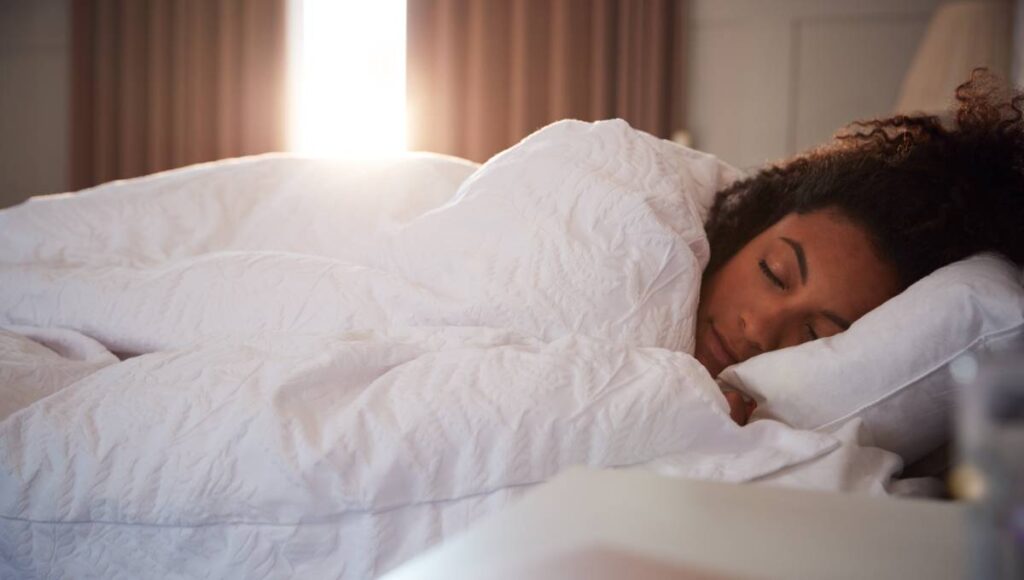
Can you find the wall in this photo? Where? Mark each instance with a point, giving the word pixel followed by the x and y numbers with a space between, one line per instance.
pixel 772 78
pixel 34 75
pixel 1017 61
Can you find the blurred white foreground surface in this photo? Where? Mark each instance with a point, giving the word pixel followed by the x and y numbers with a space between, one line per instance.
pixel 631 524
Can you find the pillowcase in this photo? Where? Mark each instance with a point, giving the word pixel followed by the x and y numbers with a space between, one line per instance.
pixel 890 368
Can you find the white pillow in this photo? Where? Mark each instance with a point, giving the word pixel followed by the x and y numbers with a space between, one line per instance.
pixel 890 367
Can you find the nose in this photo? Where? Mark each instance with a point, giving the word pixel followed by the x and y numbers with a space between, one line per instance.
pixel 761 328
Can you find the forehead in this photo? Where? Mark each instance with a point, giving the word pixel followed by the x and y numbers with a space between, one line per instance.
pixel 828 235
pixel 843 267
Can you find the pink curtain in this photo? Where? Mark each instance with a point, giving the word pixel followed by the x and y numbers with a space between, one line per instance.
pixel 482 74
pixel 158 84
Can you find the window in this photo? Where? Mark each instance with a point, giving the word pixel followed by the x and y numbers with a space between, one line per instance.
pixel 348 77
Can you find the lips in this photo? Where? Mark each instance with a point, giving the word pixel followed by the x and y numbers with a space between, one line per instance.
pixel 719 348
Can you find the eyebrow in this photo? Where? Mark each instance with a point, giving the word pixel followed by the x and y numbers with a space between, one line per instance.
pixel 838 320
pixel 801 259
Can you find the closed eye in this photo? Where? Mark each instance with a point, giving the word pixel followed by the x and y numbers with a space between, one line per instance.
pixel 771 275
pixel 811 333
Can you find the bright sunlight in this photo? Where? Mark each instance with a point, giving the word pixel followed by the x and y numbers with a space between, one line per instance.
pixel 348 89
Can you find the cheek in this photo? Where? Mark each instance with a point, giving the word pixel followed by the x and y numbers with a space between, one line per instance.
pixel 726 291
pixel 709 296
pixel 792 335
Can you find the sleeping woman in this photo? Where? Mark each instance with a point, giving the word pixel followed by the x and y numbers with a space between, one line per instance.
pixel 803 249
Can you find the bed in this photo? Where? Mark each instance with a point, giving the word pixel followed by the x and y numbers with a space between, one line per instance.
pixel 284 366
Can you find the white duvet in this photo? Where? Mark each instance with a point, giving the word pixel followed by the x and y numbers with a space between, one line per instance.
pixel 323 368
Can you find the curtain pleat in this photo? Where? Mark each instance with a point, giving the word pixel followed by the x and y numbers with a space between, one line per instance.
pixel 158 64
pixel 228 92
pixel 107 21
pixel 482 74
pixel 131 88
pixel 158 84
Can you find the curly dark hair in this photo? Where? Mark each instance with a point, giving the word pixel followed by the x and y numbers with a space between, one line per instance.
pixel 927 194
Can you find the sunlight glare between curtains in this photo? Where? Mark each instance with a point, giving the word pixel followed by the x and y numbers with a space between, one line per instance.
pixel 348 93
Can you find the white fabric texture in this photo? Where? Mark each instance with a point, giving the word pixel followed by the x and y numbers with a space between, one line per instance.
pixel 901 388
pixel 338 366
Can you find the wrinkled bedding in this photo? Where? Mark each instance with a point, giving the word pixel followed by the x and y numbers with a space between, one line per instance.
pixel 278 366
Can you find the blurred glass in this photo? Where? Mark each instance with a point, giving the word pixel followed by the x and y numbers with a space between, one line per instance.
pixel 990 473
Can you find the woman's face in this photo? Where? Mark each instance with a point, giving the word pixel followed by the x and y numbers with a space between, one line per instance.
pixel 806 277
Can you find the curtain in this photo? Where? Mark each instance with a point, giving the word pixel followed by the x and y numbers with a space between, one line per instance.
pixel 158 84
pixel 482 74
